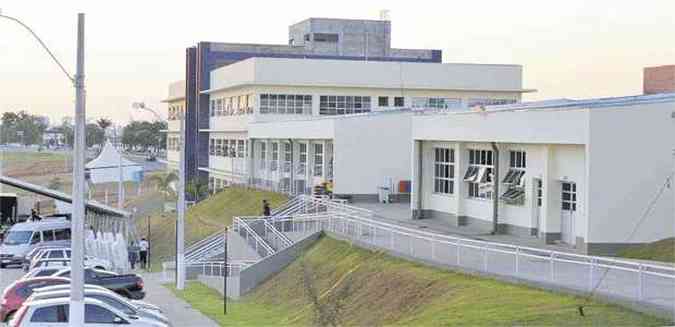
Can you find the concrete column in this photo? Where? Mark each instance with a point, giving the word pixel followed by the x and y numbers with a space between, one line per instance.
pixel 550 213
pixel 250 160
pixel 461 162
pixel 416 188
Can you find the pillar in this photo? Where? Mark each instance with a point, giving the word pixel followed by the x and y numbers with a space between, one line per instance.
pixel 416 189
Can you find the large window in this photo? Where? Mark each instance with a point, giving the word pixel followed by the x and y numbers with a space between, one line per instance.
pixel 302 158
pixel 275 156
pixel 399 102
pixel 318 159
pixel 489 102
pixel 219 147
pixel 479 173
pixel 514 181
pixel 288 156
pixel 569 196
pixel 438 103
pixel 293 104
pixel 383 101
pixel 444 170
pixel 343 105
pixel 241 148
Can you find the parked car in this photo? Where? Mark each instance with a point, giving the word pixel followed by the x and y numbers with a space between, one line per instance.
pixel 138 303
pixel 127 285
pixel 64 253
pixel 42 272
pixel 54 312
pixel 28 258
pixel 23 237
pixel 131 310
pixel 16 293
pixel 50 263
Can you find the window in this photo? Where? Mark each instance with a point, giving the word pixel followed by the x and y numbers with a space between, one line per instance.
pixel 263 155
pixel 569 196
pixel 489 102
pixel 318 159
pixel 219 107
pixel 121 306
pixel 479 173
pixel 36 238
pixel 307 37
pixel 241 151
pixel 383 101
pixel 94 314
pixel 437 103
pixel 212 107
pixel 55 313
pixel 62 234
pixel 399 102
pixel 47 235
pixel 515 193
pixel 232 150
pixel 275 156
pixel 325 37
pixel 251 103
pixel 288 156
pixel 343 105
pixel 444 170
pixel 540 192
pixel 302 159
pixel 219 147
pixel 292 104
pixel 55 254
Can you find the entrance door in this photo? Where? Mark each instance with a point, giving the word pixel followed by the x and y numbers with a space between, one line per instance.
pixel 569 208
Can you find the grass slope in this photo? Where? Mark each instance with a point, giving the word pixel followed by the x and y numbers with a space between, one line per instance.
pixel 663 250
pixel 205 218
pixel 391 291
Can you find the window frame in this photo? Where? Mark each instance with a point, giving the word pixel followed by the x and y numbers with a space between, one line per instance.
pixel 483 160
pixel 444 170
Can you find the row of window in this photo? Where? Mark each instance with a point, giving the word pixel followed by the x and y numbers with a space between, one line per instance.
pixel 231 106
pixel 343 105
pixel 176 111
pixel 384 102
pixel 479 174
pixel 173 143
pixel 318 154
pixel 294 104
pixel 449 103
pixel 232 148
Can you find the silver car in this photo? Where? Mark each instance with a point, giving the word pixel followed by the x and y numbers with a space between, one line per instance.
pixel 23 237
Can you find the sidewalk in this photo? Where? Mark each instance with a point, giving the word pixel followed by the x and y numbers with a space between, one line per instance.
pixel 179 312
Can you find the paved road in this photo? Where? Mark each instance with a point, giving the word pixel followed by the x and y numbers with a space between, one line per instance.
pixel 178 311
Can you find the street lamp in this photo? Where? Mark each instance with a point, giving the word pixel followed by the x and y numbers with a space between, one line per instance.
pixel 142 106
pixel 76 311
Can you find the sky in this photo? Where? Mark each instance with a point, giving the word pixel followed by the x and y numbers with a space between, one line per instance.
pixel 134 49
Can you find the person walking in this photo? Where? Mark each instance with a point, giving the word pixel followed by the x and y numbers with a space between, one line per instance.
pixel 133 254
pixel 266 209
pixel 144 246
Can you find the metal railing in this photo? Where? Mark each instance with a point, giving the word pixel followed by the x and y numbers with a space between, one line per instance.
pixel 207 248
pixel 641 282
pixel 218 268
pixel 252 238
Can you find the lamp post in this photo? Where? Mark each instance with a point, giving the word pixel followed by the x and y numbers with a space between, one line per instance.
pixel 180 208
pixel 76 311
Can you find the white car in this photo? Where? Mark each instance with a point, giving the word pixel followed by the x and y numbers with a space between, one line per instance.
pixel 42 271
pixel 54 312
pixel 137 303
pixel 131 310
pixel 64 253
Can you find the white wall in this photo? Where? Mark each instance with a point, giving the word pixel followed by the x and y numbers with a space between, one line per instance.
pixel 630 156
pixel 369 149
pixel 535 126
pixel 377 74
pixel 323 128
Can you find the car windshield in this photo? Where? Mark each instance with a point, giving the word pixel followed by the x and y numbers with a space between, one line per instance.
pixel 18 237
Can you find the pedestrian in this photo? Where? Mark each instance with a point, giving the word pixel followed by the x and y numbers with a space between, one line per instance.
pixel 133 254
pixel 266 209
pixel 144 246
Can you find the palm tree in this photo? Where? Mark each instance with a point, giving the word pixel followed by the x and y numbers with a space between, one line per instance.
pixel 103 123
pixel 197 189
pixel 165 184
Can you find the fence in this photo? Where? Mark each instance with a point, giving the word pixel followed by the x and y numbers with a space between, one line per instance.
pixel 648 284
pixel 217 268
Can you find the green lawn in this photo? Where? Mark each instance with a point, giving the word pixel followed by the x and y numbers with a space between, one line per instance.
pixel 28 156
pixel 663 250
pixel 383 290
pixel 205 218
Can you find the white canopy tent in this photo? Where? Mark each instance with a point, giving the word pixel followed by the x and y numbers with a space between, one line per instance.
pixel 106 167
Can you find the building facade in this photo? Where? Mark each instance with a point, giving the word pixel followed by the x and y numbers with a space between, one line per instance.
pixel 175 110
pixel 588 174
pixel 314 38
pixel 293 124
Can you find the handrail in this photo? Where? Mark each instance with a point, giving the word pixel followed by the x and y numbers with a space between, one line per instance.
pixel 259 240
pixel 287 241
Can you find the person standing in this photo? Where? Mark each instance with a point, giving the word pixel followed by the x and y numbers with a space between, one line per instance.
pixel 133 254
pixel 144 246
pixel 266 209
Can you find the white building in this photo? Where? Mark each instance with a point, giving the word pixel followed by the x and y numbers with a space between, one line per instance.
pixel 584 173
pixel 175 107
pixel 314 121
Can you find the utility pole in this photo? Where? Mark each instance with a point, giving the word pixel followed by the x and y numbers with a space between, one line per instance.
pixel 120 183
pixel 180 208
pixel 495 189
pixel 76 311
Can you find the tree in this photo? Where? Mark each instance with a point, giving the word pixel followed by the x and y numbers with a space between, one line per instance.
pixel 144 135
pixel 197 189
pixel 22 127
pixel 165 183
pixel 103 123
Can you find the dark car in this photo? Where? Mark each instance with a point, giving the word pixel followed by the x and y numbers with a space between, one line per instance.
pixel 127 285
pixel 16 293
